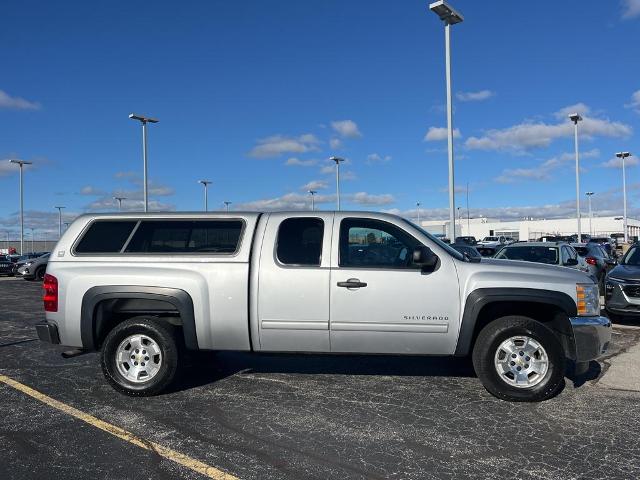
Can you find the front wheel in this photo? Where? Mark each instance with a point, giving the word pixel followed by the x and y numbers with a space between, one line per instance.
pixel 140 356
pixel 519 359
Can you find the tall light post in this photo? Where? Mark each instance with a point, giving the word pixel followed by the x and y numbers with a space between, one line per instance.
pixel 450 17
pixel 337 160
pixel 575 118
pixel 119 200
pixel 623 155
pixel 460 222
pixel 313 200
pixel 418 208
pixel 59 221
pixel 226 205
pixel 32 237
pixel 206 184
pixel 144 121
pixel 22 163
pixel 589 194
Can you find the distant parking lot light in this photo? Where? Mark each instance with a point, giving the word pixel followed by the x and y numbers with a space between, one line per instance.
pixel 623 155
pixel 313 202
pixel 22 163
pixel 226 205
pixel 206 184
pixel 338 160
pixel 144 120
pixel 589 195
pixel 119 200
pixel 449 16
pixel 59 221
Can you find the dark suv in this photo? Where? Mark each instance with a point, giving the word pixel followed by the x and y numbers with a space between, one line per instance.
pixel 622 286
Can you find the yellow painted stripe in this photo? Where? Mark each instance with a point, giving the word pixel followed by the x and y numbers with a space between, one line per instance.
pixel 177 457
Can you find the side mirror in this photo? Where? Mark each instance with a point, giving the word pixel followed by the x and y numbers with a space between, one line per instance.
pixel 424 257
pixel 571 262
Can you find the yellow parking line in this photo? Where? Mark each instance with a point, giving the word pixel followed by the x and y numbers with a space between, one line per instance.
pixel 169 454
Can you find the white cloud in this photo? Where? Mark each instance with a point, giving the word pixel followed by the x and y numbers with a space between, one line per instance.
pixel 293 161
pixel 374 158
pixel 16 103
pixel 475 96
pixel 579 108
pixel 635 101
pixel 616 162
pixel 277 145
pixel 335 143
pixel 346 128
pixel 528 135
pixel 89 190
pixel 314 185
pixel 363 198
pixel 436 134
pixel 327 169
pixel 543 171
pixel 630 9
pixel 297 201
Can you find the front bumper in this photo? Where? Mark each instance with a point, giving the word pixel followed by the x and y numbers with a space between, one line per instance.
pixel 622 298
pixel 48 332
pixel 591 336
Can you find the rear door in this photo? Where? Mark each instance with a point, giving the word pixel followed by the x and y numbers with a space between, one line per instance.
pixel 293 282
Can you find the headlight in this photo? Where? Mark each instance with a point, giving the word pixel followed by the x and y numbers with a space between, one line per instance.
pixel 27 264
pixel 588 299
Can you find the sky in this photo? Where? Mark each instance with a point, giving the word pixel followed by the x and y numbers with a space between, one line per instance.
pixel 255 96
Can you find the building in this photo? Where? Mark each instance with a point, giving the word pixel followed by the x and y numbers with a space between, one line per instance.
pixel 529 229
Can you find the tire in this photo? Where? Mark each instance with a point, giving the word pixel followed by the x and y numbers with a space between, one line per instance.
pixel 161 368
pixel 39 275
pixel 496 368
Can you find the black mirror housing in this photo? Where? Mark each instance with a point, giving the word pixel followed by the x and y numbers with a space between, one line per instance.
pixel 424 257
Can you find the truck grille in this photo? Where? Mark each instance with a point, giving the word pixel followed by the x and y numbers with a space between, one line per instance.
pixel 632 290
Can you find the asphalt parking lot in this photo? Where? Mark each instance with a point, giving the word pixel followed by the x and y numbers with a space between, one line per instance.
pixel 298 417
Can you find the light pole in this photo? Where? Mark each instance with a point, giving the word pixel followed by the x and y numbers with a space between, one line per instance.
pixel 313 201
pixel 144 121
pixel 575 118
pixel 460 222
pixel 32 235
pixel 59 221
pixel 206 184
pixel 624 155
pixel 589 194
pixel 22 163
pixel 418 208
pixel 468 216
pixel 119 200
pixel 226 205
pixel 450 17
pixel 337 160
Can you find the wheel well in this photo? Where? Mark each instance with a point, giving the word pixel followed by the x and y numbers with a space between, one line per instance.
pixel 551 316
pixel 111 312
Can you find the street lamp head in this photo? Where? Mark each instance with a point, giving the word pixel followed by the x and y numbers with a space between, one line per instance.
pixel 336 159
pixel 142 118
pixel 575 117
pixel 623 154
pixel 205 182
pixel 20 162
pixel 588 194
pixel 446 12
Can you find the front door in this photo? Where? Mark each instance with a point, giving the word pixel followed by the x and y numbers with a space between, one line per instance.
pixel 380 301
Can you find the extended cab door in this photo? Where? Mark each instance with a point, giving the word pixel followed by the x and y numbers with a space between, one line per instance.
pixel 380 301
pixel 293 282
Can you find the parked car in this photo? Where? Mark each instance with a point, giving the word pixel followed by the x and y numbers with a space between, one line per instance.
pixel 622 286
pixel 488 246
pixel 551 253
pixel 21 260
pixel 607 243
pixel 597 259
pixel 465 249
pixel 6 265
pixel 467 240
pixel 135 287
pixel 34 269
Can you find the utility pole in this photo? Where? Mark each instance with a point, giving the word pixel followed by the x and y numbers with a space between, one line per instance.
pixel 22 163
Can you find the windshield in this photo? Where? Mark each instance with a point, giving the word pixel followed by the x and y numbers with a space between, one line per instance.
pixel 490 239
pixel 440 243
pixel 536 254
pixel 632 257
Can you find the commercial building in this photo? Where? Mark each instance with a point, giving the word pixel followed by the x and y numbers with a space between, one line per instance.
pixel 529 229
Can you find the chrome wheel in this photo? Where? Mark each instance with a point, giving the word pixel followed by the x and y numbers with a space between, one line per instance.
pixel 138 358
pixel 521 362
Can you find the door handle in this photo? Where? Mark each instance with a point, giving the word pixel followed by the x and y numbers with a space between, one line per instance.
pixel 352 283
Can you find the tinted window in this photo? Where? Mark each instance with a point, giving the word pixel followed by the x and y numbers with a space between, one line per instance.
pixel 105 236
pixel 186 236
pixel 300 241
pixel 536 254
pixel 374 243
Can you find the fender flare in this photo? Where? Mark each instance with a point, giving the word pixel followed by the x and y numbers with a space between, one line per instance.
pixel 482 297
pixel 178 298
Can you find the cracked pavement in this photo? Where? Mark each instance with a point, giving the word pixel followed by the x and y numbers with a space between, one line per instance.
pixel 306 417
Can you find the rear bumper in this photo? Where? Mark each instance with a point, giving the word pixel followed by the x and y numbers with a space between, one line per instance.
pixel 48 332
pixel 591 336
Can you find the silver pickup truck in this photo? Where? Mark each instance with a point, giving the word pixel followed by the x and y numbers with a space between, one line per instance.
pixel 144 289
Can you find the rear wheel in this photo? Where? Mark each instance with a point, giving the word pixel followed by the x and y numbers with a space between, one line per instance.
pixel 519 359
pixel 140 356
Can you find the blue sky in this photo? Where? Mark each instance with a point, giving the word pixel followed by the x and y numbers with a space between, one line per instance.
pixel 255 96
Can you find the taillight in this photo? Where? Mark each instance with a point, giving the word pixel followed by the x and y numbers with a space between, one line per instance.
pixel 50 297
pixel 591 261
